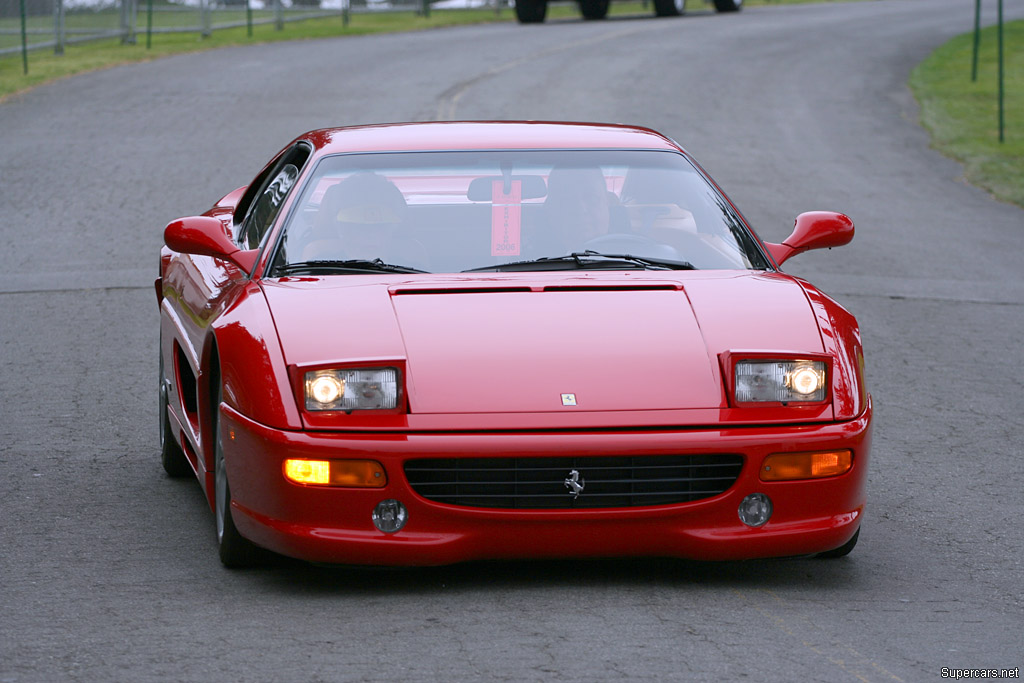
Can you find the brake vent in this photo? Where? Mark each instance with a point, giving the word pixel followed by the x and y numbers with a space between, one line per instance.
pixel 459 290
pixel 521 289
pixel 612 288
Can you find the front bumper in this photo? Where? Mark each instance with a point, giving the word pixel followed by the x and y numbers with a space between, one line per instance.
pixel 333 525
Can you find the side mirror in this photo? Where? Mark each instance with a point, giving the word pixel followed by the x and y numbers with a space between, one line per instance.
pixel 814 230
pixel 205 236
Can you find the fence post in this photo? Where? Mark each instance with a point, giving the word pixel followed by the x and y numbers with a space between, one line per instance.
pixel 58 27
pixel 344 13
pixel 149 24
pixel 977 39
pixel 207 31
pixel 248 18
pixel 24 41
pixel 278 16
pixel 127 24
pixel 1002 118
pixel 135 20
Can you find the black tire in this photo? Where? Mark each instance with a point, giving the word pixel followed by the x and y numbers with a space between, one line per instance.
pixel 668 8
pixel 594 9
pixel 728 5
pixel 236 551
pixel 174 460
pixel 843 550
pixel 531 11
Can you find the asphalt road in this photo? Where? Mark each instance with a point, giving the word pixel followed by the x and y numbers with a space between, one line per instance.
pixel 108 570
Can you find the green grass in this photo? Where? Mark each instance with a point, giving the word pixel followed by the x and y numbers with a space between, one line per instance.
pixel 44 66
pixel 962 115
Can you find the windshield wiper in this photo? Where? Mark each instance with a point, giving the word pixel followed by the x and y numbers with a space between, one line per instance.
pixel 582 260
pixel 346 266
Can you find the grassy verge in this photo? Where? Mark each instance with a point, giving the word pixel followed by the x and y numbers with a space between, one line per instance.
pixel 44 66
pixel 962 115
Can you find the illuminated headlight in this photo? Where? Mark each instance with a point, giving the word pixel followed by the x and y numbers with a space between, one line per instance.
pixel 352 389
pixel 780 381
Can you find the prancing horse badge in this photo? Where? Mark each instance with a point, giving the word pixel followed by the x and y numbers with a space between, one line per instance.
pixel 568 399
pixel 575 483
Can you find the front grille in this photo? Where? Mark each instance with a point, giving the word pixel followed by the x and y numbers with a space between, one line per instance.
pixel 540 483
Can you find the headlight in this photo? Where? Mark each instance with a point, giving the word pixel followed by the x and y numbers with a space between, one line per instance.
pixel 352 389
pixel 782 381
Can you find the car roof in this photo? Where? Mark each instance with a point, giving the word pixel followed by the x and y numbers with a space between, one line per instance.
pixel 469 135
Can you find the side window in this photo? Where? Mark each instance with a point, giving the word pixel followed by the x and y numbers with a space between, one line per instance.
pixel 266 205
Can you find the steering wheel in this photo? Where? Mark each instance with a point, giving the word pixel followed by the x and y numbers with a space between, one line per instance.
pixel 633 244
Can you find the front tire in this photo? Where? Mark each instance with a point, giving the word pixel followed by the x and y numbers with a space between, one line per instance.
pixel 594 9
pixel 236 551
pixel 728 5
pixel 174 460
pixel 668 8
pixel 531 11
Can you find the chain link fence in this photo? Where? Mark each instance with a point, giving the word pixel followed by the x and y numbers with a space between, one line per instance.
pixel 52 24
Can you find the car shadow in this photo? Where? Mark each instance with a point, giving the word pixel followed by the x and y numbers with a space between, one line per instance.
pixel 287 575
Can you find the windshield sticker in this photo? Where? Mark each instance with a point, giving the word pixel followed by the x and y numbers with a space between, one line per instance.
pixel 506 218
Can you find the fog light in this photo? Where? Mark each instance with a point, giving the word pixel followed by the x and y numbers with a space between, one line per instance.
pixel 390 515
pixel 755 509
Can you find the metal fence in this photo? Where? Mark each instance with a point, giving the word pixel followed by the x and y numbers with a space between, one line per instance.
pixel 49 24
pixel 52 24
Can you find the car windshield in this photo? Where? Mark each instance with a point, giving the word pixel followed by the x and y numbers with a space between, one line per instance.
pixel 450 212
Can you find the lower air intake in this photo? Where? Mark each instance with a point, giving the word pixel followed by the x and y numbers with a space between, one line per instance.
pixel 548 483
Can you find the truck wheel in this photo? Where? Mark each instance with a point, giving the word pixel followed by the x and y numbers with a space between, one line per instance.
pixel 531 11
pixel 728 5
pixel 668 8
pixel 594 9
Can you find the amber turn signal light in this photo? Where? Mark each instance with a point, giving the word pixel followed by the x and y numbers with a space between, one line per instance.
pixel 353 473
pixel 789 466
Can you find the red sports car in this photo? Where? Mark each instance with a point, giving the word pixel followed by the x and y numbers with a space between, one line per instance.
pixel 419 344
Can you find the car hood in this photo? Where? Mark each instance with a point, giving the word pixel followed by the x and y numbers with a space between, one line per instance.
pixel 547 342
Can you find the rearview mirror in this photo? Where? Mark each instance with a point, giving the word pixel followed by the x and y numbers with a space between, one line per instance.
pixel 205 236
pixel 813 230
pixel 530 187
